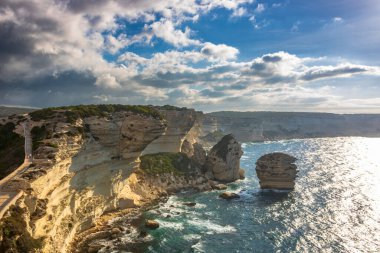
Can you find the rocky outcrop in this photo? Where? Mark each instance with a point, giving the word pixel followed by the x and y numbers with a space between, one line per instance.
pixel 87 163
pixel 276 171
pixel 229 195
pixel 199 154
pixel 194 151
pixel 223 160
pixel 187 148
pixel 152 224
pixel 179 124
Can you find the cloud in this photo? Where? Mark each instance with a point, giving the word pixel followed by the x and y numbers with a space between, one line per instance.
pixel 319 72
pixel 69 52
pixel 107 80
pixel 260 8
pixel 164 29
pixel 337 19
pixel 239 12
pixel 220 51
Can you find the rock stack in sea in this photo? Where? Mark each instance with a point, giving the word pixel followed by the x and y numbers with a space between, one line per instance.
pixel 276 171
pixel 223 160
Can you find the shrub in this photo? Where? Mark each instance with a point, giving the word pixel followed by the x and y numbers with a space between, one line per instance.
pixel 75 112
pixel 159 163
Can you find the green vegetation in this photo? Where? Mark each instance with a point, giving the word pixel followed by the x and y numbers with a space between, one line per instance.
pixel 38 134
pixel 46 113
pixel 160 163
pixel 171 107
pixel 11 149
pixel 75 112
pixel 15 237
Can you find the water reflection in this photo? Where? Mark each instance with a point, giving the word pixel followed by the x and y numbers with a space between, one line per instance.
pixel 335 206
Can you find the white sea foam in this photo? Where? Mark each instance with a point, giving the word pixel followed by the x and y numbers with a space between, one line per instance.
pixel 191 237
pixel 212 227
pixel 172 225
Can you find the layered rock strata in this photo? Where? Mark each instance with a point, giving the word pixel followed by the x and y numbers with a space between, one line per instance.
pixel 276 171
pixel 223 160
pixel 86 164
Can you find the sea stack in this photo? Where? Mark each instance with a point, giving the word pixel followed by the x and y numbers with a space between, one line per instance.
pixel 276 171
pixel 223 160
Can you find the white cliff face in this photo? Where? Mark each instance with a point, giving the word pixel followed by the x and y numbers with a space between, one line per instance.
pixel 261 126
pixel 81 171
pixel 223 161
pixel 179 124
pixel 87 168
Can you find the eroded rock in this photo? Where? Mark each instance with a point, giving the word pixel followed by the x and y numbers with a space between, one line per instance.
pixel 276 171
pixel 220 187
pixel 223 161
pixel 152 224
pixel 229 195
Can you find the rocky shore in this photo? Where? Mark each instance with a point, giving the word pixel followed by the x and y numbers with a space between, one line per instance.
pixel 131 223
pixel 91 163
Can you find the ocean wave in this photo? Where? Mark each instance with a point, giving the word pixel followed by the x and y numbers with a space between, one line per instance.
pixel 212 227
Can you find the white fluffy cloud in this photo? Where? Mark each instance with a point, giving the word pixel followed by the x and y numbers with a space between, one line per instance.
pixel 166 30
pixel 219 52
pixel 42 40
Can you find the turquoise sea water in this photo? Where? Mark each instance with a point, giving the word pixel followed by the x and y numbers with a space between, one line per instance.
pixel 335 206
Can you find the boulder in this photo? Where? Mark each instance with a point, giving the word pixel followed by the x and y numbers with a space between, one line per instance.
pixel 276 171
pixel 152 224
pixel 229 195
pixel 223 160
pixel 220 187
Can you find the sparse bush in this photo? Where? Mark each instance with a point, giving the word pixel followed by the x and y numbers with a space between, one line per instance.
pixel 72 113
pixel 159 163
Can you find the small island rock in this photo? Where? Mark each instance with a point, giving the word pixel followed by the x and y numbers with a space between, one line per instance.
pixel 276 171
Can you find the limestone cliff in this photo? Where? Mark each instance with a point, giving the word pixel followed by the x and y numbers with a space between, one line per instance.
pixel 223 160
pixel 262 126
pixel 87 163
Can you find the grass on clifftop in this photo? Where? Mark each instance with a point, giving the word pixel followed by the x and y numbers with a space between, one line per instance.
pixel 11 149
pixel 81 111
pixel 160 163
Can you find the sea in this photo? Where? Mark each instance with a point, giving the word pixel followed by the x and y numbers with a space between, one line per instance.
pixel 335 206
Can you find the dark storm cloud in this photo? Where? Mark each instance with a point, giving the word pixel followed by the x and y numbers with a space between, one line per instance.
pixel 67 88
pixel 272 58
pixel 18 37
pixel 84 5
pixel 13 42
pixel 314 74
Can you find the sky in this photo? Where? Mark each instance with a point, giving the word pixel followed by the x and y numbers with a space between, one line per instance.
pixel 211 55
